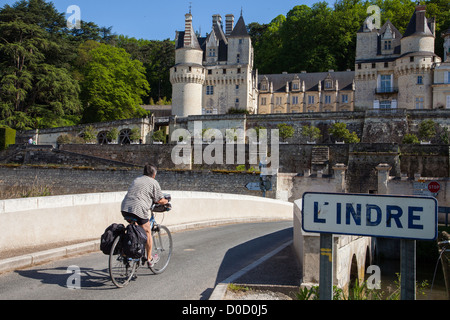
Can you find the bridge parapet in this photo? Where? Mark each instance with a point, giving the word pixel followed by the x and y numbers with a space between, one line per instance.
pixel 352 255
pixel 31 222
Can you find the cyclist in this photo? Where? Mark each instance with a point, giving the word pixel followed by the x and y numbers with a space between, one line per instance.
pixel 143 192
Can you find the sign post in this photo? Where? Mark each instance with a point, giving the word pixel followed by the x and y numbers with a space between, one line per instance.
pixel 407 269
pixel 326 267
pixel 408 218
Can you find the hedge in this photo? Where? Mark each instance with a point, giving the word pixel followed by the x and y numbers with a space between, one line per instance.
pixel 7 137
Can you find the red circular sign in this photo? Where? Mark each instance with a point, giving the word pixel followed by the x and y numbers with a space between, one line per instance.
pixel 434 187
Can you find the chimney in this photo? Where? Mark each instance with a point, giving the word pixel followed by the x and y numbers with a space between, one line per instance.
pixel 188 30
pixel 217 19
pixel 229 20
pixel 420 18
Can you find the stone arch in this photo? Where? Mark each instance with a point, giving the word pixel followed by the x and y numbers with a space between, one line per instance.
pixel 102 138
pixel 353 272
pixel 125 136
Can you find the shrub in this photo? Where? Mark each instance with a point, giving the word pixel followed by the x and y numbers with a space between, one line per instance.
pixel 410 139
pixel 7 137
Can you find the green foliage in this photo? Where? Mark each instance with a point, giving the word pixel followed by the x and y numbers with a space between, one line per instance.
pixel 286 131
pixel 7 137
pixel 36 87
pixel 89 134
pixel 112 84
pixel 159 136
pixel 410 139
pixel 51 76
pixel 339 131
pixel 312 133
pixel 427 129
pixel 329 33
pixel 237 111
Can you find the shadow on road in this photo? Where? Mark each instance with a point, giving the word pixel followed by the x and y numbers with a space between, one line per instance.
pixel 89 278
pixel 281 269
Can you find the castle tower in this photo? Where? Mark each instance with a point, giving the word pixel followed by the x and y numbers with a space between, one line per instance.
pixel 188 74
pixel 414 68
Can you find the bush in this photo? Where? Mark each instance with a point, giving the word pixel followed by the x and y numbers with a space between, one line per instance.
pixel 7 137
pixel 410 139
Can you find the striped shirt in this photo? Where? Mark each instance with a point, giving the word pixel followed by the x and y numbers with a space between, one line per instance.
pixel 143 192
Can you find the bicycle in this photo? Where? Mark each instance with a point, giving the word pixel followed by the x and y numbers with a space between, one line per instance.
pixel 122 269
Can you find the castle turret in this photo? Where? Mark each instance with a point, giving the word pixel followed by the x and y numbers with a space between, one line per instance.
pixel 446 36
pixel 188 74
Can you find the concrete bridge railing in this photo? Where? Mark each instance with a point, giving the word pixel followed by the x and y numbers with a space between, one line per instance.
pixel 352 255
pixel 31 222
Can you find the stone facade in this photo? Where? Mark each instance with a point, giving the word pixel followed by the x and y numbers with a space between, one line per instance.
pixel 400 71
pixel 213 74
pixel 297 93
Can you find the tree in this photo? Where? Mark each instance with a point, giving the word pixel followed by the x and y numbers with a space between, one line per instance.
pixel 312 133
pixel 112 83
pixel 36 90
pixel 339 131
pixel 427 129
pixel 286 131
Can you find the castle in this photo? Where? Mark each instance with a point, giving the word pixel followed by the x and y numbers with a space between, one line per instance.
pixel 214 74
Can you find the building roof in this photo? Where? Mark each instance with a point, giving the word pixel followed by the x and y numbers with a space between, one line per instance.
pixel 240 29
pixel 416 25
pixel 311 80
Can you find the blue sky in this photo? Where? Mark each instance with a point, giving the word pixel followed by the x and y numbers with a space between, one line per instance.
pixel 159 19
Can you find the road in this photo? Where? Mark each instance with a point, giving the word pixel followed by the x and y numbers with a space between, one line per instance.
pixel 201 259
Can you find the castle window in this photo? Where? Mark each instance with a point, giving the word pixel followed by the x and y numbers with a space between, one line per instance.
pixel 373 65
pixel 279 100
pixel 345 98
pixel 239 70
pixel 237 87
pixel 238 58
pixel 385 104
pixel 212 52
pixel 263 101
pixel 236 103
pixel 419 102
pixel 224 71
pixel 310 99
pixel 411 59
pixel 328 84
pixel 419 79
pixel 295 100
pixel 386 64
pixel 209 71
pixel 190 69
pixel 209 90
pixel 359 66
pixel 327 99
pixel 387 45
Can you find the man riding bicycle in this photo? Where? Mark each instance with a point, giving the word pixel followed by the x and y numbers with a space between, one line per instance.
pixel 142 194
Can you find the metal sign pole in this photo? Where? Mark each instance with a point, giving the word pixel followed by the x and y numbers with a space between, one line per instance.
pixel 326 267
pixel 408 269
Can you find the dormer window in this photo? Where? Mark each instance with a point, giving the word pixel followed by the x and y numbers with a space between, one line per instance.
pixel 328 84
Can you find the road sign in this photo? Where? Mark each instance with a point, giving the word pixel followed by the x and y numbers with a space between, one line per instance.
pixel 253 186
pixel 404 217
pixel 434 187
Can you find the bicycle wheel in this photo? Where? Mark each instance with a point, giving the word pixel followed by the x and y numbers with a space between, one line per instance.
pixel 121 268
pixel 162 246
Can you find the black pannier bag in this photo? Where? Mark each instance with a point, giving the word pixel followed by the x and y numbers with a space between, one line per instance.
pixel 133 242
pixel 107 238
pixel 162 207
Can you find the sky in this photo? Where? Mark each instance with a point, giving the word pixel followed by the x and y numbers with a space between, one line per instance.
pixel 159 19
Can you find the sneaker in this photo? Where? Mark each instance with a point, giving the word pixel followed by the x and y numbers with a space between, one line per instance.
pixel 154 261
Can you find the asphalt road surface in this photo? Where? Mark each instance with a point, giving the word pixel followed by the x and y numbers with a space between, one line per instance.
pixel 201 259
